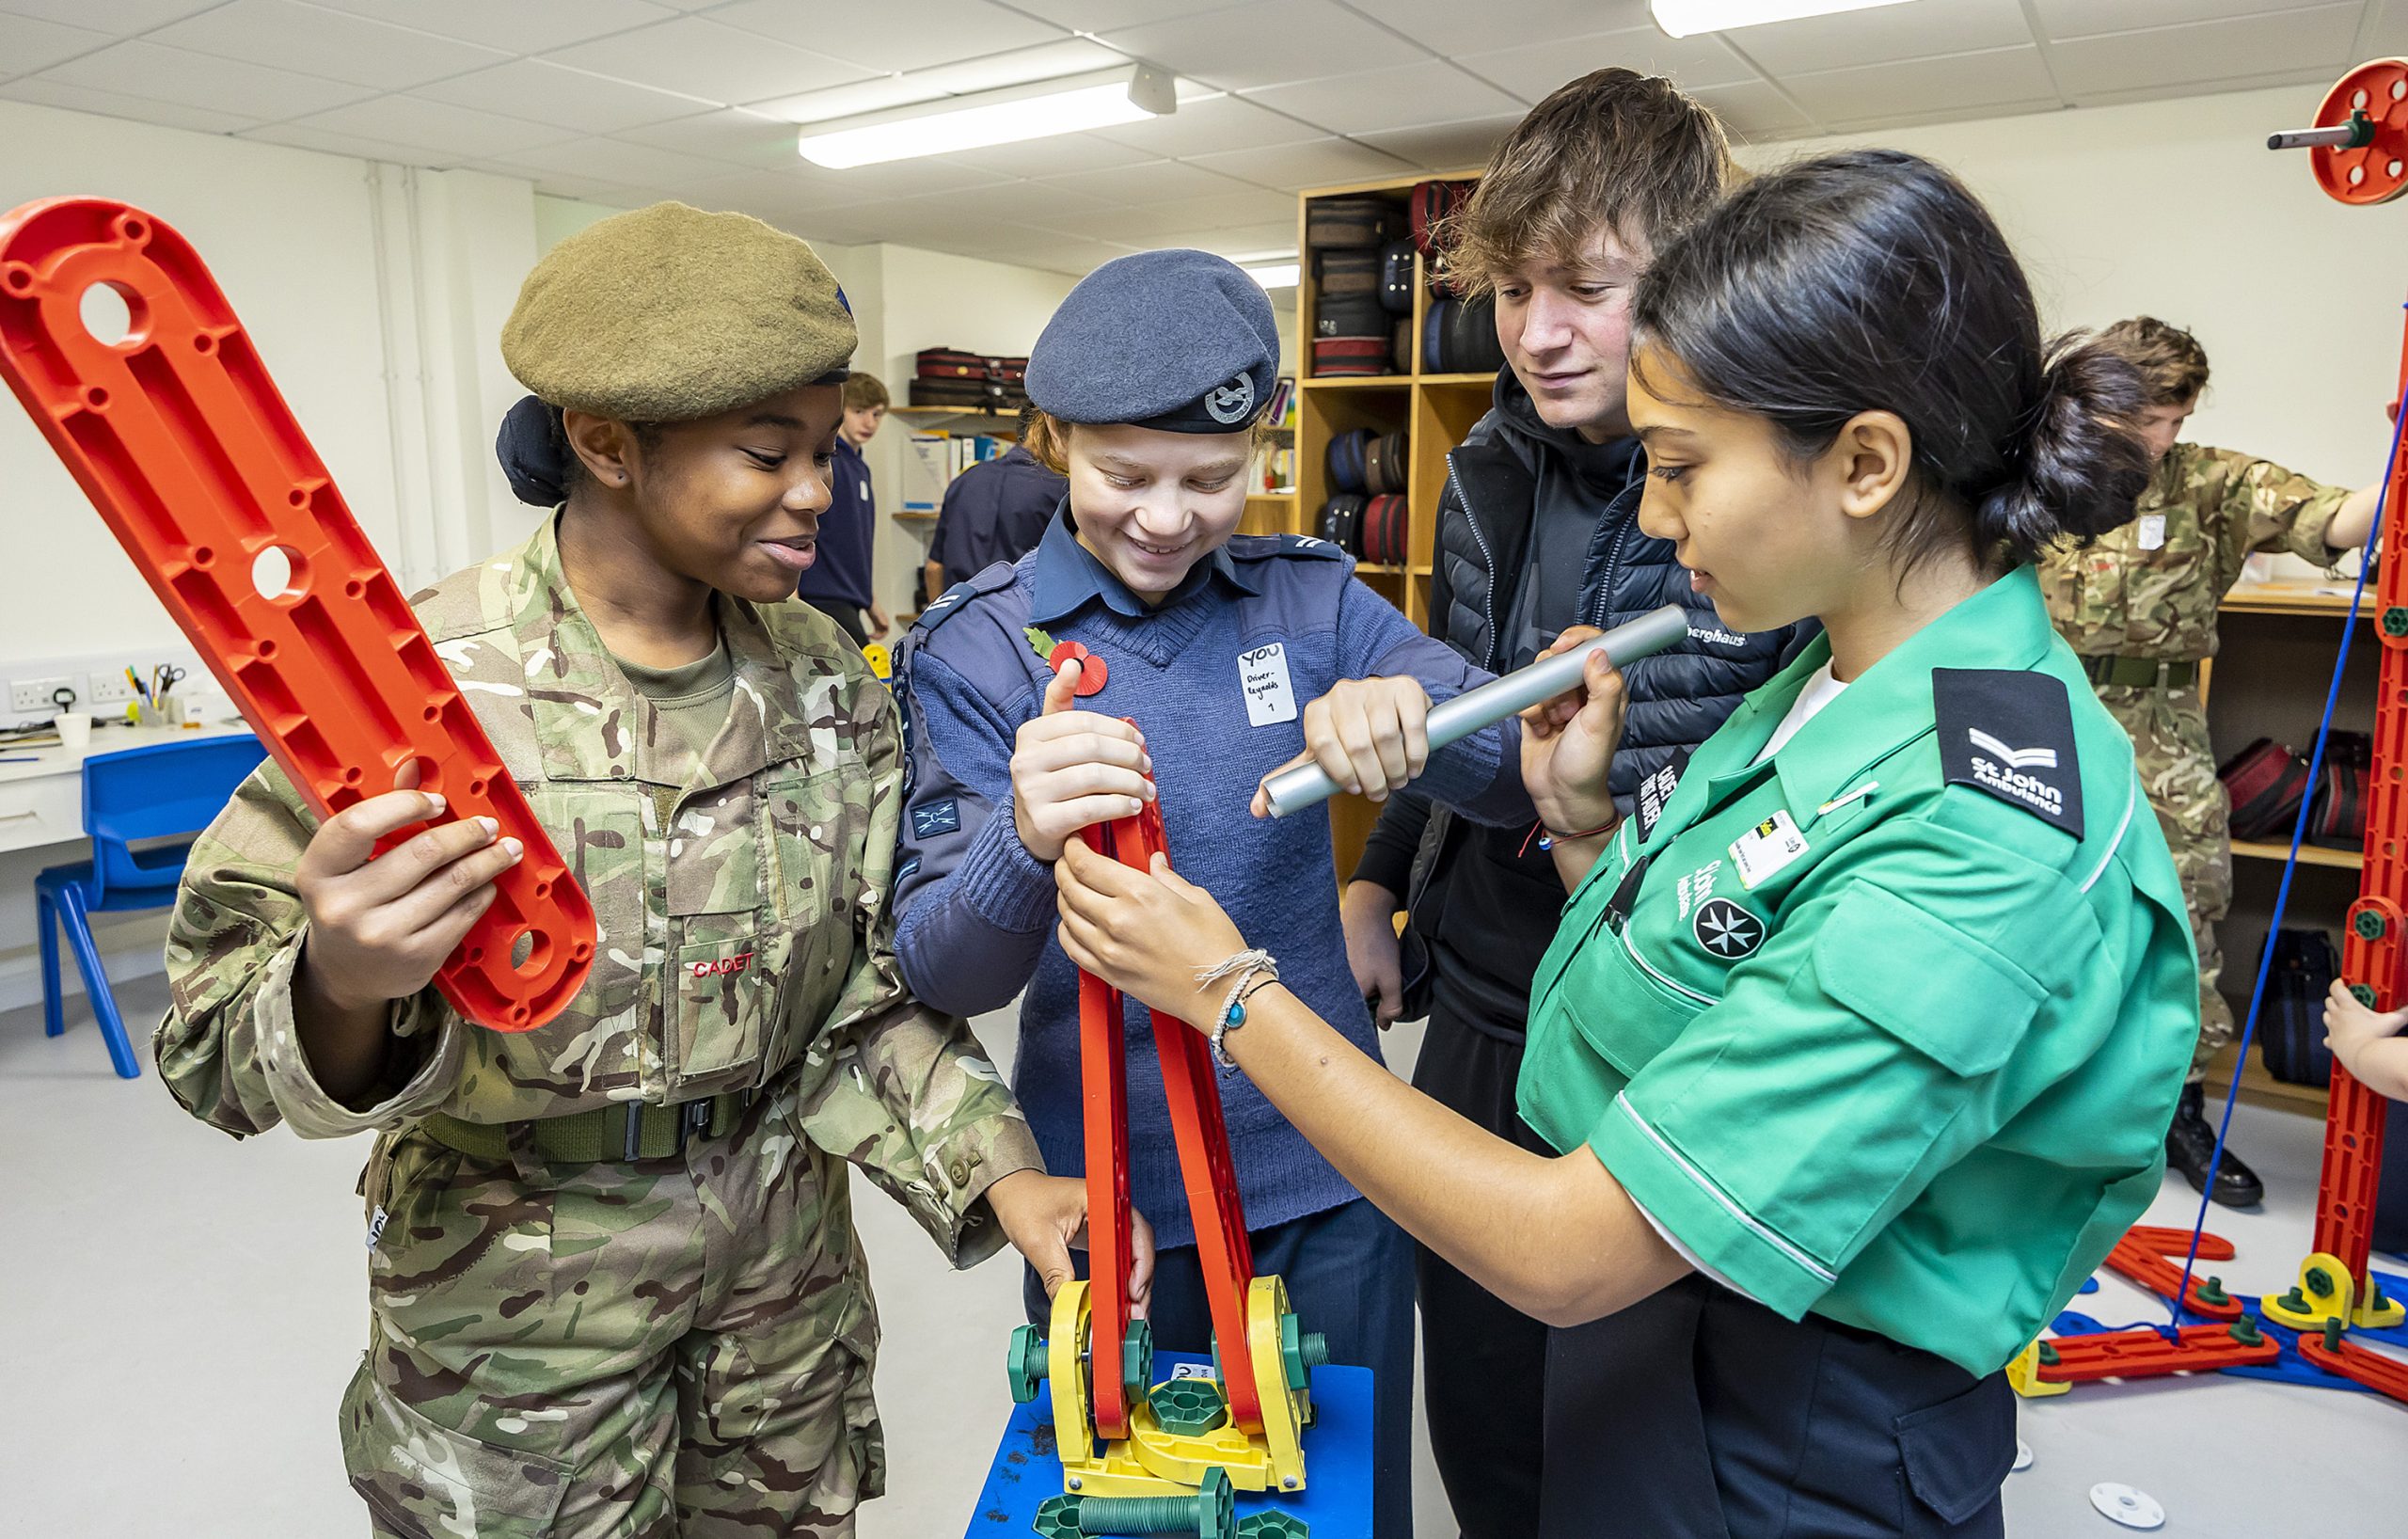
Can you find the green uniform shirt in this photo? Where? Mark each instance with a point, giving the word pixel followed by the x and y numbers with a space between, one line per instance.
pixel 1914 1076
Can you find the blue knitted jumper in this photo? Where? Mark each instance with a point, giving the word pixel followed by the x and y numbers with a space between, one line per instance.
pixel 977 913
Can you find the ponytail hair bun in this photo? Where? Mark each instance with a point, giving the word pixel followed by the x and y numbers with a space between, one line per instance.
pixel 1874 280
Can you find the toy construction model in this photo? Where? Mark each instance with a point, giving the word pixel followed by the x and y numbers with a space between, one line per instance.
pixel 2358 151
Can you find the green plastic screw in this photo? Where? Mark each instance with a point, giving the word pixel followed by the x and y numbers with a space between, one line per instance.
pixel 2245 1330
pixel 1137 1357
pixel 1303 1349
pixel 2295 1301
pixel 1212 1512
pixel 2363 993
pixel 2318 1283
pixel 1028 1361
pixel 2211 1292
pixel 1190 1408
pixel 2333 1334
pixel 2376 1297
pixel 2395 621
pixel 2048 1355
pixel 1057 1517
pixel 2369 924
pixel 1274 1526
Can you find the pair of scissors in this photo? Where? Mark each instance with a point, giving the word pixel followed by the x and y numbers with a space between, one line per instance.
pixel 165 677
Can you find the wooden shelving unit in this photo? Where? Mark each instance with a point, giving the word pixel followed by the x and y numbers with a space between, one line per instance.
pixel 1434 409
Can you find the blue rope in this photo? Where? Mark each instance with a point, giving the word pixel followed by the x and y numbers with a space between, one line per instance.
pixel 2291 867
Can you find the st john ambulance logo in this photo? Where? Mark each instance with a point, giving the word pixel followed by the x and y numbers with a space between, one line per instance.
pixel 2015 758
pixel 1231 403
pixel 1727 930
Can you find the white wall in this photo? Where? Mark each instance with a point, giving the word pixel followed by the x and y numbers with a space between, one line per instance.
pixel 2177 209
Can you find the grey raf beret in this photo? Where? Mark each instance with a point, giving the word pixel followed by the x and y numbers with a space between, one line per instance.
pixel 1182 341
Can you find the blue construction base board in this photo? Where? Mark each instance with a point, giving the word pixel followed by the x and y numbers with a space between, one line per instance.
pixel 2290 1368
pixel 1335 1502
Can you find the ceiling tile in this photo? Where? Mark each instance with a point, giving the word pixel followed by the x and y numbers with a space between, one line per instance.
pixel 1753 109
pixel 571 99
pixel 734 134
pixel 325 42
pixel 1450 27
pixel 748 190
pixel 2323 36
pixel 1884 34
pixel 1447 147
pixel 1106 15
pixel 891 39
pixel 698 58
pixel 897 178
pixel 1951 114
pixel 1292 168
pixel 415 121
pixel 1533 70
pixel 1015 202
pixel 1399 96
pixel 2063 19
pixel 43 91
pixel 1250 207
pixel 326 141
pixel 1153 182
pixel 1277 239
pixel 514 26
pixel 27 44
pixel 585 189
pixel 1059 155
pixel 1265 43
pixel 1140 225
pixel 251 91
pixel 2319 76
pixel 1999 76
pixel 629 165
pixel 1211 124
pixel 1021 65
pixel 118 18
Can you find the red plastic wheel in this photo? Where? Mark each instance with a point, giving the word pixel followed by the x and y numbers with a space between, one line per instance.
pixel 2378 172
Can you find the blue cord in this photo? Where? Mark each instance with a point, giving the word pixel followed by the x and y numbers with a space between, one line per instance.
pixel 2290 865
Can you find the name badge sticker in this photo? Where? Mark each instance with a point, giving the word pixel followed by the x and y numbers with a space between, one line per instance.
pixel 1263 675
pixel 1764 851
pixel 2152 531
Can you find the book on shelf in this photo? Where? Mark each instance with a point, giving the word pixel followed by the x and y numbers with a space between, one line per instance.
pixel 931 458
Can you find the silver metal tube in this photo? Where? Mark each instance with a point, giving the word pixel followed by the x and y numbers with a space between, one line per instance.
pixel 1294 790
pixel 2340 138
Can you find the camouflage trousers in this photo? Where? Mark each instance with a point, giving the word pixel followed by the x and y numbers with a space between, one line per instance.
pixel 661 1348
pixel 2178 772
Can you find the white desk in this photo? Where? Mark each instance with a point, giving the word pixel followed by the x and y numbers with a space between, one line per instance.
pixel 42 802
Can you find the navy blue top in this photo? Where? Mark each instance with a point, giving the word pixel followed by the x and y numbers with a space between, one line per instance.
pixel 977 910
pixel 995 511
pixel 847 530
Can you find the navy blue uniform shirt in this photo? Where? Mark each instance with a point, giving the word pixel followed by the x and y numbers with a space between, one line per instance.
pixel 847 530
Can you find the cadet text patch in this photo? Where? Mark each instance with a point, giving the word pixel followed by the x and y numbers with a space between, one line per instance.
pixel 935 818
pixel 2010 734
pixel 1655 790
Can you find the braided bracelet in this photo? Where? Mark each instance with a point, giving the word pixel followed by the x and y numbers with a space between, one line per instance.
pixel 1245 967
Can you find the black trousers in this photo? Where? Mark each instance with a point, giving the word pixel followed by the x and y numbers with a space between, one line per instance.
pixel 1484 1362
pixel 1699 1414
pixel 847 616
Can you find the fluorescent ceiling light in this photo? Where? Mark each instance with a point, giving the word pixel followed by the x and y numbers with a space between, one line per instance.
pixel 1277 275
pixel 1681 17
pixel 1001 116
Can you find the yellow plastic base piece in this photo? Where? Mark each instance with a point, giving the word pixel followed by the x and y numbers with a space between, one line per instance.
pixel 1152 1461
pixel 2023 1375
pixel 2325 1291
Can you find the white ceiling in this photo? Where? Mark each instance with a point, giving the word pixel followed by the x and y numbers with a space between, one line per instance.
pixel 628 100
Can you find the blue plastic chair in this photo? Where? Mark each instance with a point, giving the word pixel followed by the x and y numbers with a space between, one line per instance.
pixel 134 794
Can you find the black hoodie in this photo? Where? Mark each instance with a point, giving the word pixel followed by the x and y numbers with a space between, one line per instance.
pixel 1483 907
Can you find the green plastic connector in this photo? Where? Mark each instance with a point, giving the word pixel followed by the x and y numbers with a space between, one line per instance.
pixel 1274 1526
pixel 2295 1301
pixel 2318 1283
pixel 2211 1292
pixel 2048 1355
pixel 2333 1334
pixel 1057 1517
pixel 2245 1330
pixel 1027 1360
pixel 2369 924
pixel 2395 621
pixel 1301 1350
pixel 1137 1357
pixel 1190 1408
pixel 2363 993
pixel 1212 1512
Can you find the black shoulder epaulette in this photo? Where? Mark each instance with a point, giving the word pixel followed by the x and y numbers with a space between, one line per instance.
pixel 956 598
pixel 2010 733
pixel 1272 546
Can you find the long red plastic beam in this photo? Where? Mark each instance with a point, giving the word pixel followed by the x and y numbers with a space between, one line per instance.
pixel 2144 1254
pixel 184 444
pixel 2147 1354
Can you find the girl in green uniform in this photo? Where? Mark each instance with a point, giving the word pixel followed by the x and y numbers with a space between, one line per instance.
pixel 1860 1037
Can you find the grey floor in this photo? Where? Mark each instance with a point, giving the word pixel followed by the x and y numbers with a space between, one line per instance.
pixel 178 1313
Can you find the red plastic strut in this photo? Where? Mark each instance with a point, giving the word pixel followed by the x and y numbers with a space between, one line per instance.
pixel 2346 1359
pixel 181 439
pixel 2143 1256
pixel 1224 1253
pixel 2145 1353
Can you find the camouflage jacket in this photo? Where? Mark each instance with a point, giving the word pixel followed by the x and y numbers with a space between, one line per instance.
pixel 2150 588
pixel 777 846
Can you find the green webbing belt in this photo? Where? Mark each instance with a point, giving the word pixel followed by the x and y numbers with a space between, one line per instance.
pixel 602 1134
pixel 2141 672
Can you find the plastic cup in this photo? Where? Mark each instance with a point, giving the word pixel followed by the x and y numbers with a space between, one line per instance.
pixel 75 733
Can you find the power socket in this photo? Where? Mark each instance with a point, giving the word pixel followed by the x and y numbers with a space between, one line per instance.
pixel 110 689
pixel 31 696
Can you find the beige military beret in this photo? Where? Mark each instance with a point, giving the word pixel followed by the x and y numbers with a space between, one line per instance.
pixel 668 313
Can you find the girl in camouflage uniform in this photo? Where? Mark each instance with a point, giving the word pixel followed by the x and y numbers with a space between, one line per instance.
pixel 612 1276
